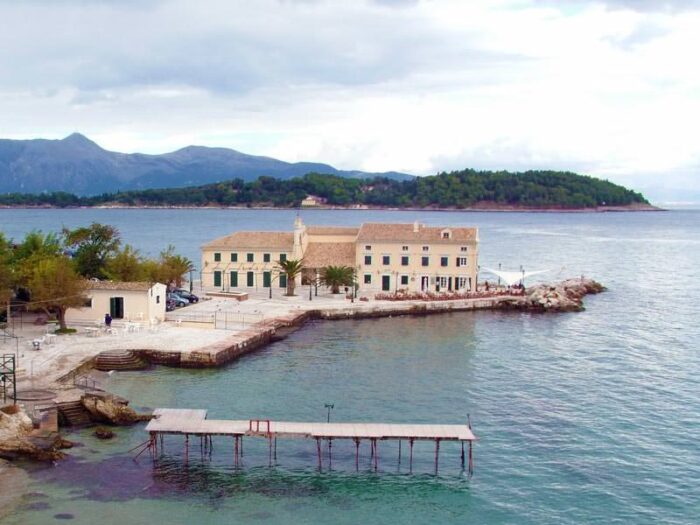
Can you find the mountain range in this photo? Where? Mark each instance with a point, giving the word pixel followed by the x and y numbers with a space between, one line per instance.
pixel 78 165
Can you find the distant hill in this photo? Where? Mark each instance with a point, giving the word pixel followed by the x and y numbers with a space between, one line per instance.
pixel 78 165
pixel 531 190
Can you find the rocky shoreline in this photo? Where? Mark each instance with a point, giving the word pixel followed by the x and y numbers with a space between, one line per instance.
pixel 19 438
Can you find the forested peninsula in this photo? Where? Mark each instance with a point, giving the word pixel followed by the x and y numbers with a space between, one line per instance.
pixel 467 189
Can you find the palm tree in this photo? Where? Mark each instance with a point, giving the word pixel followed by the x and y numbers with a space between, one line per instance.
pixel 336 276
pixel 291 268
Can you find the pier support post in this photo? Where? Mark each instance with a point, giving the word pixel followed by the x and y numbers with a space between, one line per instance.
pixel 187 447
pixel 275 452
pixel 269 451
pixel 376 455
pixel 410 457
pixel 471 461
pixel 330 453
pixel 357 454
pixel 399 453
pixel 462 456
pixel 318 451
pixel 437 452
pixel 241 446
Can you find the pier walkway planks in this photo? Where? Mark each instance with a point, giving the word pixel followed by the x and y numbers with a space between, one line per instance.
pixel 184 421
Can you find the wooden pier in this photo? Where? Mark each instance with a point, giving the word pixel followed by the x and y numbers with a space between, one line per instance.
pixel 187 422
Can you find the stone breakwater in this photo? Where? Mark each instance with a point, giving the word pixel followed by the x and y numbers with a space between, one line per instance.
pixel 566 296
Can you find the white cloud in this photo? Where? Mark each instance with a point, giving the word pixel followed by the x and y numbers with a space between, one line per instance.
pixel 608 88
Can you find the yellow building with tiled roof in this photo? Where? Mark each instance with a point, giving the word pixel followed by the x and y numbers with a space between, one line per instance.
pixel 385 257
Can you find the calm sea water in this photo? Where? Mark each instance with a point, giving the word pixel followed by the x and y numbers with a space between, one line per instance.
pixel 590 417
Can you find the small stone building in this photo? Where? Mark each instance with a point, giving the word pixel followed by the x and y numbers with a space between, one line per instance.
pixel 122 300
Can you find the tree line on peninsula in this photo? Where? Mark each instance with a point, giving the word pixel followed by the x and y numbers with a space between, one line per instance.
pixel 50 272
pixel 457 189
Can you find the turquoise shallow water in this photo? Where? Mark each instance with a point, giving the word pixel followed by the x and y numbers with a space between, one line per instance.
pixel 582 418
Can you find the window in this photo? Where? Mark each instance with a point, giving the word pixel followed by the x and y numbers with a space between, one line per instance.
pixel 426 248
pixel 217 278
pixel 404 280
pixel 157 299
pixel 88 303
pixel 404 260
pixel 250 279
pixel 463 249
pixel 461 261
pixel 368 247
pixel 446 234
pixel 425 261
pixel 266 257
pixel 463 282
pixel 217 257
pixel 441 282
pixel 283 280
pixel 234 279
pixel 234 257
pixel 404 248
pixel 443 261
pixel 283 257
pixel 250 257
pixel 368 260
pixel 368 278
pixel 386 260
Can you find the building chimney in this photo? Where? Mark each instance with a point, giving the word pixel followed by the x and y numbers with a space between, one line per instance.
pixel 416 227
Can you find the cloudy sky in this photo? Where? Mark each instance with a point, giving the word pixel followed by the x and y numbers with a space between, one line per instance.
pixel 608 88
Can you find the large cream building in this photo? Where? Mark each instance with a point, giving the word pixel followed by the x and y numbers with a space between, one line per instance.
pixel 386 257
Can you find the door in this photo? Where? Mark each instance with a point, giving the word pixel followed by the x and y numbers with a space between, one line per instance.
pixel 424 283
pixel 386 283
pixel 250 279
pixel 217 278
pixel 283 280
pixel 234 279
pixel 267 279
pixel 116 307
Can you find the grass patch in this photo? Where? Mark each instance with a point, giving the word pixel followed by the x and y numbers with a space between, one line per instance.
pixel 63 331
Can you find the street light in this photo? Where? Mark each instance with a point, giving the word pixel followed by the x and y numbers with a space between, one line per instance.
pixel 329 407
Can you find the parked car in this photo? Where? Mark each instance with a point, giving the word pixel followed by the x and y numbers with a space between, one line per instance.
pixel 187 295
pixel 170 305
pixel 179 301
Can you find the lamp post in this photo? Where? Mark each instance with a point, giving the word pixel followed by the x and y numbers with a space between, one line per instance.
pixel 329 407
pixel 522 279
pixel 499 275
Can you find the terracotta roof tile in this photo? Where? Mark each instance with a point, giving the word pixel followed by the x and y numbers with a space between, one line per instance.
pixel 322 254
pixel 374 232
pixel 132 286
pixel 277 240
pixel 331 230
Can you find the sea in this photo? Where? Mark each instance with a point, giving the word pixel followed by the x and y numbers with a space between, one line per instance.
pixel 589 417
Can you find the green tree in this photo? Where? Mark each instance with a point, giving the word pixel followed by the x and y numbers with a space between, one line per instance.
pixel 336 276
pixel 55 286
pixel 125 265
pixel 292 268
pixel 92 246
pixel 173 267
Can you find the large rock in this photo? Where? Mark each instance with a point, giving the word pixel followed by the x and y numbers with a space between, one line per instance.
pixel 105 408
pixel 18 438
pixel 566 296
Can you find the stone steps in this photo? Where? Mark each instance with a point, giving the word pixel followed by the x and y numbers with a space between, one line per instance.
pixel 119 360
pixel 73 414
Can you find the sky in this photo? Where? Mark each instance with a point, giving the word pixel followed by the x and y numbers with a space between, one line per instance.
pixel 609 88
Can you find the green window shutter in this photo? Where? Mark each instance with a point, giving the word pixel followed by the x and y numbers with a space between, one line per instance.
pixel 234 279
pixel 217 257
pixel 250 257
pixel 283 257
pixel 234 257
pixel 266 257
pixel 267 279
pixel 283 280
pixel 217 278
pixel 250 279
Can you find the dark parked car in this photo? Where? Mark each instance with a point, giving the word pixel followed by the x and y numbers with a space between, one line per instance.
pixel 179 301
pixel 170 305
pixel 187 295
